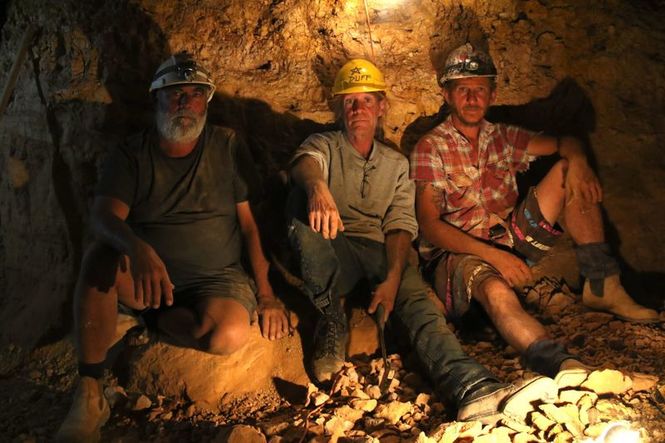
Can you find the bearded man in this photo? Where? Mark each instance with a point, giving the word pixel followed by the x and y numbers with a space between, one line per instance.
pixel 170 215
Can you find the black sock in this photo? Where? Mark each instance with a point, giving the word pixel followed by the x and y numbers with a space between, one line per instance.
pixel 94 370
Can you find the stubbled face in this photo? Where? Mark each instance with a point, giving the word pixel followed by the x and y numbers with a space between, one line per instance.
pixel 181 112
pixel 469 99
pixel 362 111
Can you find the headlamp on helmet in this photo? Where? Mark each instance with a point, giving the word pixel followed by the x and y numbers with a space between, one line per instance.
pixel 466 61
pixel 181 69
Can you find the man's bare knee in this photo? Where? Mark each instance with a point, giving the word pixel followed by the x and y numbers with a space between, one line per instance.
pixel 227 340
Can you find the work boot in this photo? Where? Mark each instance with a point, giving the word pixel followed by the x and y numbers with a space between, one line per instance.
pixel 331 335
pixel 89 412
pixel 483 404
pixel 520 403
pixel 616 301
pixel 496 400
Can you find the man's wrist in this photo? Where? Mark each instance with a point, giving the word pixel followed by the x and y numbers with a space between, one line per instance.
pixel 265 292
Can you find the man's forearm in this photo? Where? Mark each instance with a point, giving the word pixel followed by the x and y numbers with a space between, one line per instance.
pixel 307 173
pixel 571 149
pixel 259 263
pixel 397 252
pixel 115 232
pixel 450 238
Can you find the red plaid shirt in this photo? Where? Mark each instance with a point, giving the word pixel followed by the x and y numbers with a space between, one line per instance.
pixel 478 188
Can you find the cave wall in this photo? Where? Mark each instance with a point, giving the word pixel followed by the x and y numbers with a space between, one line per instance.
pixel 84 87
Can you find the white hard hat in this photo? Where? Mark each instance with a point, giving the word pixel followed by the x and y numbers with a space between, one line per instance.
pixel 181 69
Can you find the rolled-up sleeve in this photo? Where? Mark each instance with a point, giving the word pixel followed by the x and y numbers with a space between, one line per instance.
pixel 401 212
pixel 316 146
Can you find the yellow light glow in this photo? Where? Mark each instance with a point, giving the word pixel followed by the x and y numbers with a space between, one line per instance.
pixel 381 4
pixel 353 5
pixel 619 432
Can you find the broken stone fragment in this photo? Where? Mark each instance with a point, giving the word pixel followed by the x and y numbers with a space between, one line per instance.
pixel 319 398
pixel 373 391
pixel 566 415
pixel 115 395
pixel 337 426
pixel 423 438
pixel 367 405
pixel 612 411
pixel 359 393
pixel 500 434
pixel 405 426
pixel 587 412
pixel 371 423
pixel 524 437
pixel 348 413
pixel 563 437
pixel 141 403
pixel 551 433
pixel 311 389
pixel 422 399
pixel 595 430
pixel 574 396
pixel 643 382
pixel 608 381
pixel 540 421
pixel 393 411
pixel 341 381
pixel 240 434
pixel 452 431
pixel 394 383
pixel 516 426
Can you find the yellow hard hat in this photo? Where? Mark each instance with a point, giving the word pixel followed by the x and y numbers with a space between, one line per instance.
pixel 358 75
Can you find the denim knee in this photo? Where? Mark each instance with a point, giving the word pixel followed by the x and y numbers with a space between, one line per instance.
pixel 318 263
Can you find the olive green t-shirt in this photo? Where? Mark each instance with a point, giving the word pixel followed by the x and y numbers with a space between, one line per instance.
pixel 185 208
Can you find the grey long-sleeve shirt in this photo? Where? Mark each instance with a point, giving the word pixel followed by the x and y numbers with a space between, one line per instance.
pixel 373 196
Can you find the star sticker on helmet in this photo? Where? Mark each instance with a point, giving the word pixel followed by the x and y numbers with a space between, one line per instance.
pixel 356 70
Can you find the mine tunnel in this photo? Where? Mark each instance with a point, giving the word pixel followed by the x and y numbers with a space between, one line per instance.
pixel 79 80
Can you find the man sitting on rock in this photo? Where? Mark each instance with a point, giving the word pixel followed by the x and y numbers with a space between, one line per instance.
pixel 352 219
pixel 170 215
pixel 477 244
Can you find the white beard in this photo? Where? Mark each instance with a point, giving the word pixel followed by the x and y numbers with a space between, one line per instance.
pixel 171 128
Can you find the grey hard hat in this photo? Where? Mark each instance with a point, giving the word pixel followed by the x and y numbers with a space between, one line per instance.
pixel 467 61
pixel 181 69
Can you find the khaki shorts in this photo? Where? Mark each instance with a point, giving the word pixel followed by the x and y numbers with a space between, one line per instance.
pixel 232 283
pixel 458 276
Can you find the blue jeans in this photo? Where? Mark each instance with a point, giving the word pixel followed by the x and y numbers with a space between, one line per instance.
pixel 333 267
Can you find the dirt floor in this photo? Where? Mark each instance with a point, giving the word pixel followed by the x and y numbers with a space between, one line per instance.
pixel 35 390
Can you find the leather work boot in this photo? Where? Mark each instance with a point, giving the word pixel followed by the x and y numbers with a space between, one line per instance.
pixel 495 401
pixel 330 339
pixel 616 301
pixel 89 412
